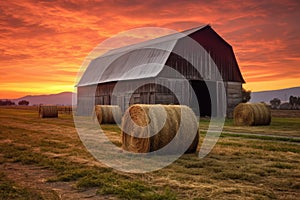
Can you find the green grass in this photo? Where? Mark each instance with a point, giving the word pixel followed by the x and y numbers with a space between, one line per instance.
pixel 239 167
pixel 262 137
pixel 285 123
pixel 10 190
pixel 135 190
pixel 282 165
pixel 108 181
pixel 111 127
pixel 278 126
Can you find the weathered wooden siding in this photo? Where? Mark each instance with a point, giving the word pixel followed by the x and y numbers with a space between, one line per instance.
pixel 221 52
pixel 156 93
pixel 182 66
pixel 234 96
pixel 84 102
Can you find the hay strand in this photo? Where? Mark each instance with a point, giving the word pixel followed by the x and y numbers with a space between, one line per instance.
pixel 139 121
pixel 251 114
pixel 48 111
pixel 64 109
pixel 107 114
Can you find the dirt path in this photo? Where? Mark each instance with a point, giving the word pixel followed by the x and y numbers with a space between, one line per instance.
pixel 35 177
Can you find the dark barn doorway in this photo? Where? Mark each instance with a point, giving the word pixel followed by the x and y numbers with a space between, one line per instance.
pixel 201 89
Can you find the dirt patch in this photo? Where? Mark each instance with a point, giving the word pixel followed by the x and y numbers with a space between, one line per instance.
pixel 36 178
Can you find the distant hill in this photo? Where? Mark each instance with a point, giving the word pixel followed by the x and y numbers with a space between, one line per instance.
pixel 64 98
pixel 282 94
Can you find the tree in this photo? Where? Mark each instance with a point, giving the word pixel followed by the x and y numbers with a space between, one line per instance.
pixel 23 103
pixel 275 103
pixel 246 95
pixel 293 101
pixel 6 103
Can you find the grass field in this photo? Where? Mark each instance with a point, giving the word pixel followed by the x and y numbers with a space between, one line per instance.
pixel 45 159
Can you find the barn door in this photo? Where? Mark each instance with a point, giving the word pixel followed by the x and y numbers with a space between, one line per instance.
pixel 206 97
pixel 145 98
pixel 106 100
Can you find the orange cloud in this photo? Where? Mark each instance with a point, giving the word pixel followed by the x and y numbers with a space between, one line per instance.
pixel 43 43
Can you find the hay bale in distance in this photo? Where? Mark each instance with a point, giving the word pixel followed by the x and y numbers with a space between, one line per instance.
pixel 65 109
pixel 104 114
pixel 251 114
pixel 137 117
pixel 48 111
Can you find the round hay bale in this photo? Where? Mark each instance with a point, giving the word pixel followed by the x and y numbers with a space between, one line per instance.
pixel 156 130
pixel 104 114
pixel 251 114
pixel 48 111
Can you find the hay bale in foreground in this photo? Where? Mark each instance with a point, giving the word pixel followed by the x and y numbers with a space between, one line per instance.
pixel 251 114
pixel 104 114
pixel 136 122
pixel 48 111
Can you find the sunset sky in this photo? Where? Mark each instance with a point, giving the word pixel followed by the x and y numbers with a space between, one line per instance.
pixel 43 43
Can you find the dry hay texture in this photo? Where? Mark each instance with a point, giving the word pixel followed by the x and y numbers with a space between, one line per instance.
pixel 137 117
pixel 65 109
pixel 251 114
pixel 48 111
pixel 104 114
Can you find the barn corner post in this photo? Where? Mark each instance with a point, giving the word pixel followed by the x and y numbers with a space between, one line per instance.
pixel 234 96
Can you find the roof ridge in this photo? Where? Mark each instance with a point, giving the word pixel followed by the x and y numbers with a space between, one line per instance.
pixel 152 41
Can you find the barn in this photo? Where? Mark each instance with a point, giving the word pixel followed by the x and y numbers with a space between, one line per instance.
pixel 141 74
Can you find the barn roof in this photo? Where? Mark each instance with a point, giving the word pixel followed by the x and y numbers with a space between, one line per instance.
pixel 115 64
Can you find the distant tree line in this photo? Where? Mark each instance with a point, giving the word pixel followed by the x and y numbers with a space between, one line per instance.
pixel 275 103
pixel 6 103
pixel 23 103
pixel 11 103
pixel 294 103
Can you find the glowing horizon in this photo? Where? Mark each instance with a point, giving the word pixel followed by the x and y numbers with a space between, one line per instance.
pixel 44 43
